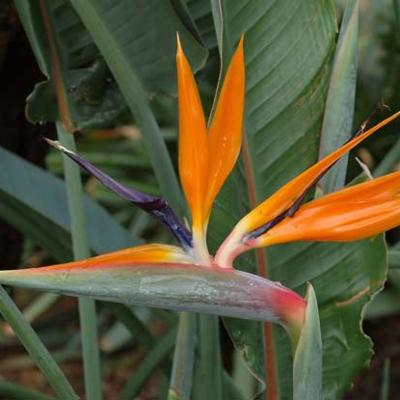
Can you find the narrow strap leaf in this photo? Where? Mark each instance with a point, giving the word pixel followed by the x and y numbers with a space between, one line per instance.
pixel 35 348
pixel 163 348
pixel 80 246
pixel 184 354
pixel 10 390
pixel 339 107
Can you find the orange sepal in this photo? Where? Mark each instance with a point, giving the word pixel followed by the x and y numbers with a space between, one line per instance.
pixel 226 130
pixel 149 254
pixel 289 193
pixel 193 145
pixel 350 214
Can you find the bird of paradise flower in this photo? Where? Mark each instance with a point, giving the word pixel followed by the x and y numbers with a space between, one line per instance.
pixel 188 277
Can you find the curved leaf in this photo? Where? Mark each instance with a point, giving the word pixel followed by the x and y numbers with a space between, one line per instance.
pixel 94 100
pixel 345 277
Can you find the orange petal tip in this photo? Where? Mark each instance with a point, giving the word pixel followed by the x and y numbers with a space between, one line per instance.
pixel 226 130
pixel 252 229
pixel 179 50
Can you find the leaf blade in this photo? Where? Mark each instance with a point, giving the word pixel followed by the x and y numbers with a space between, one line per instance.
pixel 35 348
pixel 307 364
pixel 339 108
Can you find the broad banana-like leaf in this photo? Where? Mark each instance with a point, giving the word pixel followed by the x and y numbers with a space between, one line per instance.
pixel 288 50
pixel 279 142
pixel 92 97
pixel 202 16
pixel 68 57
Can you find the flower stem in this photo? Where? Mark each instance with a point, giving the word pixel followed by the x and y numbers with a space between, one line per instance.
pixel 182 369
pixel 208 366
pixel 87 308
pixel 208 372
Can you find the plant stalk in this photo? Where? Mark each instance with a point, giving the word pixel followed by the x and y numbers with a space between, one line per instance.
pixel 182 369
pixel 87 307
pixel 208 372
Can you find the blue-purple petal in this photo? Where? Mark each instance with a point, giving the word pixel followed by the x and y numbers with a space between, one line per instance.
pixel 154 205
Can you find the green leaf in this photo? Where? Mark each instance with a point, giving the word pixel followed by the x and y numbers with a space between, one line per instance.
pixel 142 60
pixel 385 304
pixel 231 388
pixel 242 377
pixel 151 55
pixel 385 386
pixel 307 363
pixel 136 327
pixel 394 258
pixel 339 108
pixel 35 348
pixel 13 391
pixel 288 50
pixel 42 103
pixel 81 250
pixel 39 306
pixel 181 377
pixel 34 201
pixel 345 277
pixel 208 366
pixel 93 99
pixel 248 337
pixel 203 17
pixel 389 162
pixel 163 348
